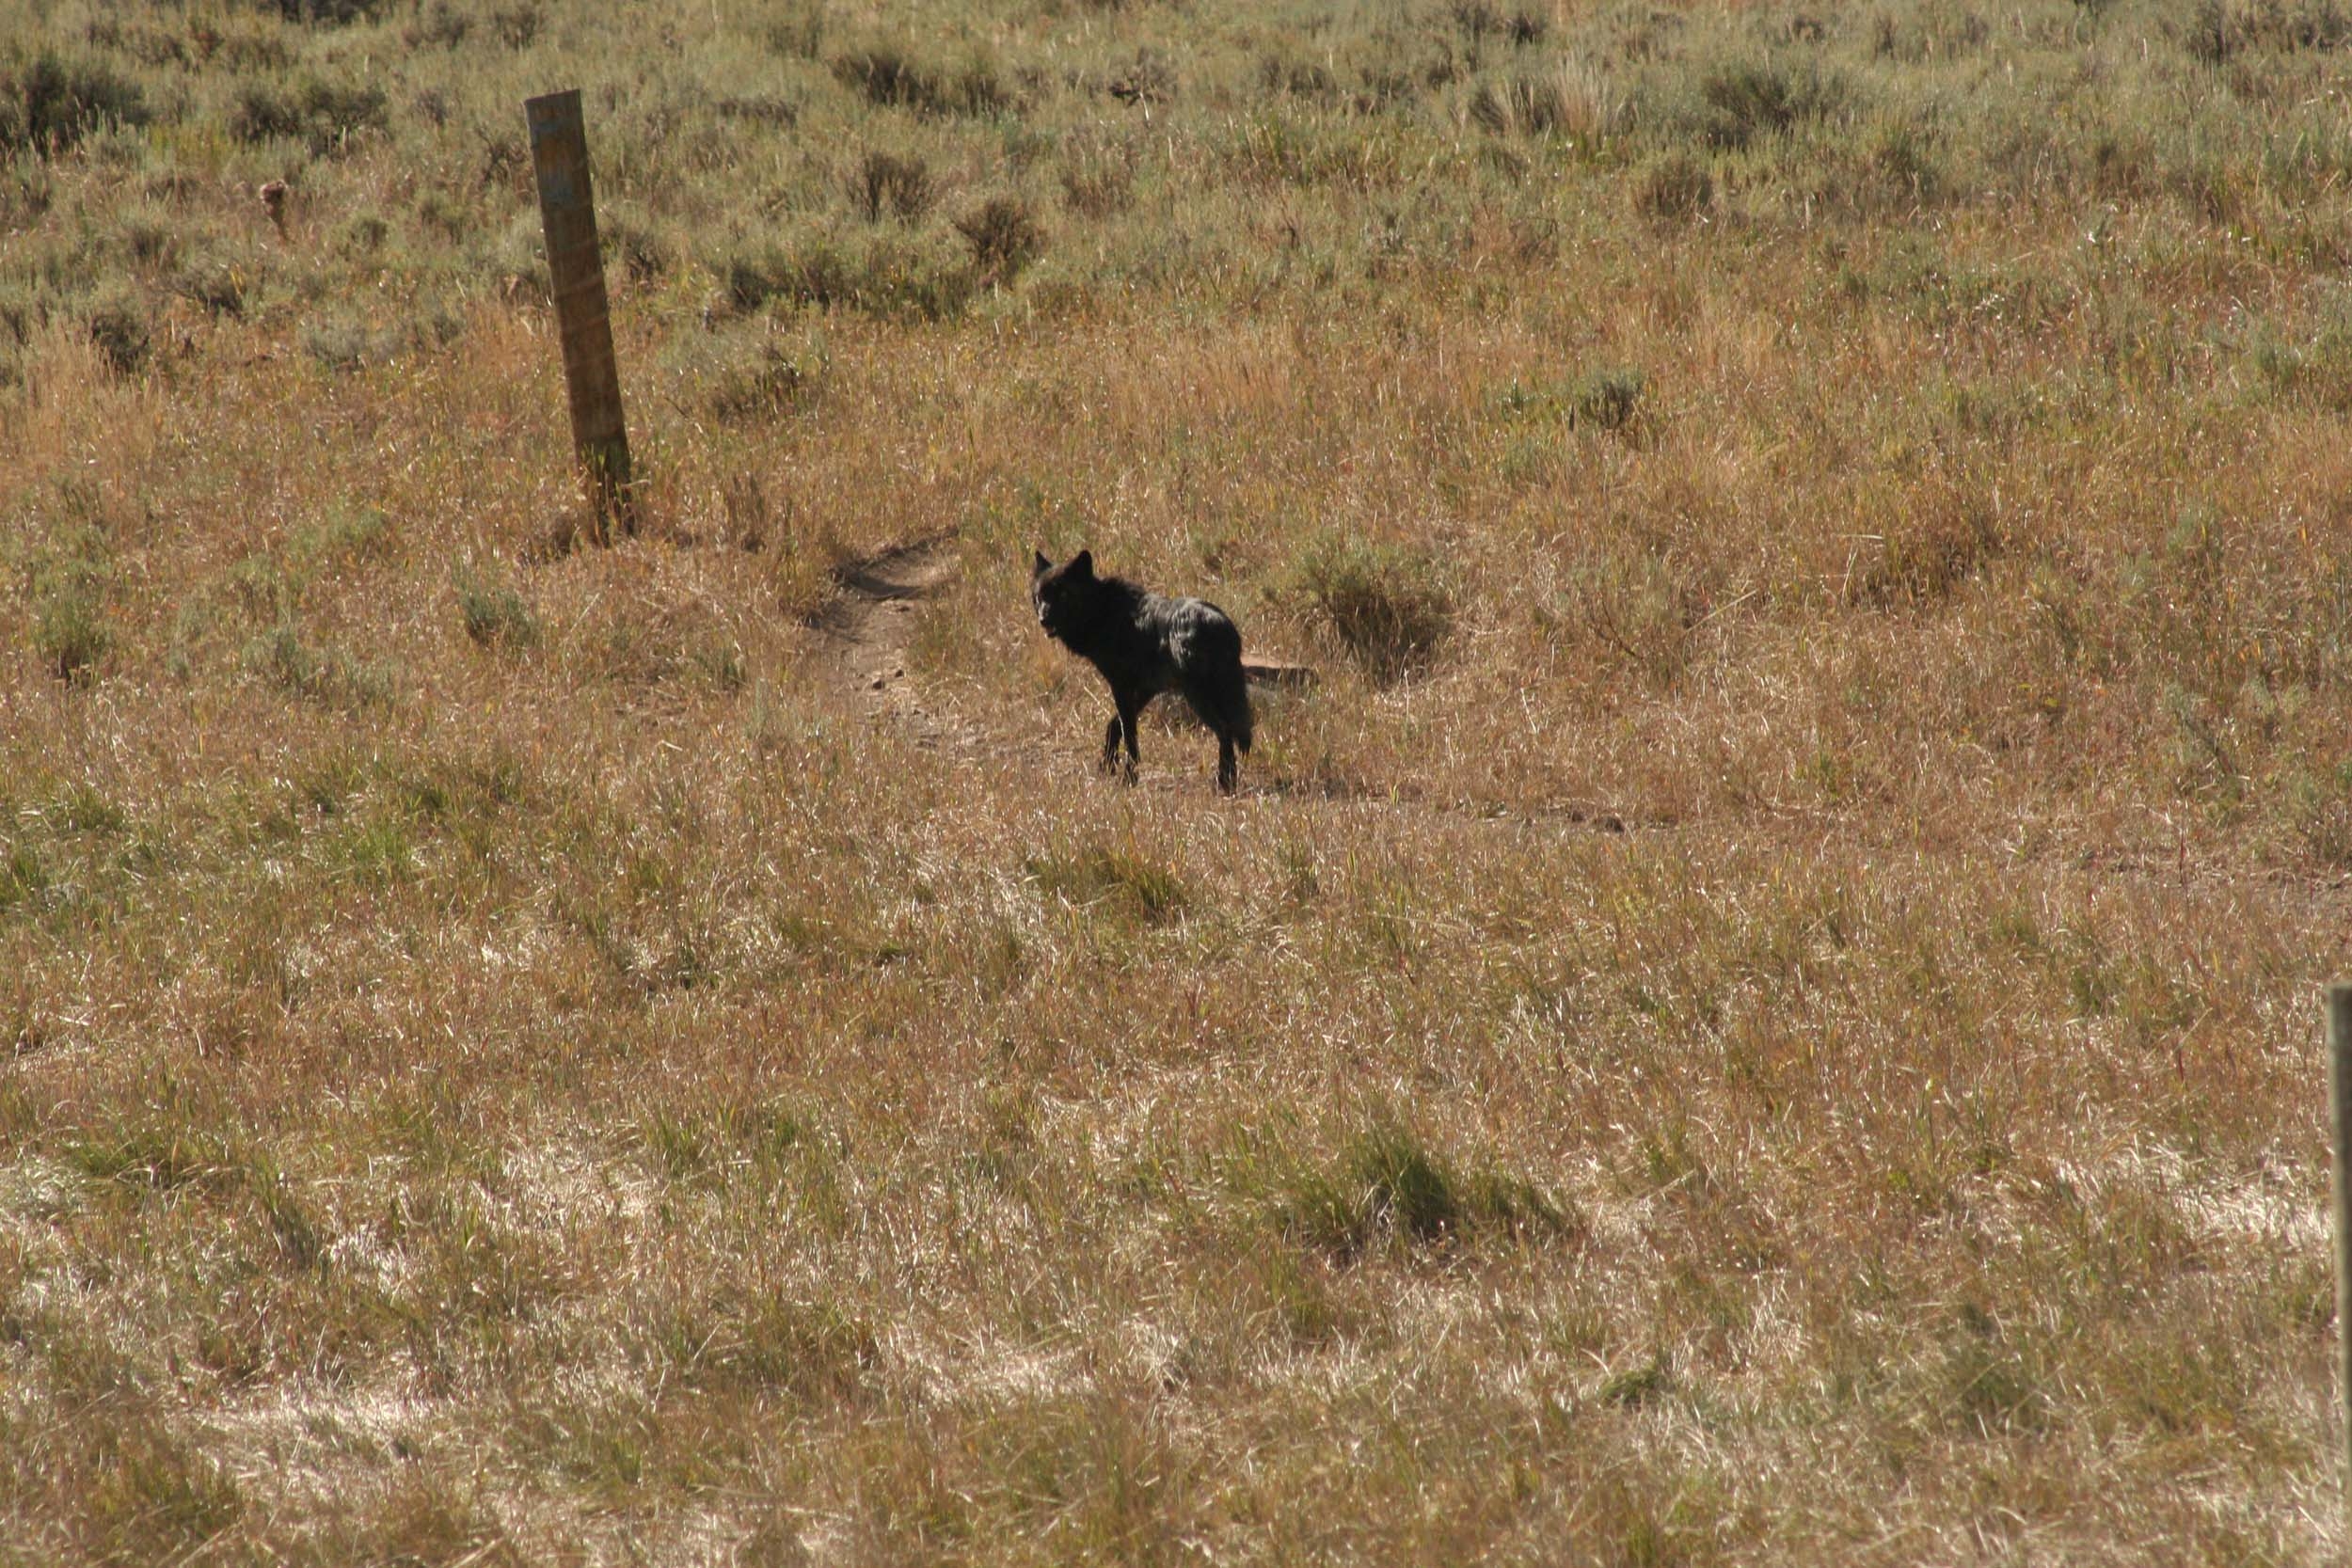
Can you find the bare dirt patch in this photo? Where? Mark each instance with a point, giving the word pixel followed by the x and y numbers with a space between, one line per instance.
pixel 868 629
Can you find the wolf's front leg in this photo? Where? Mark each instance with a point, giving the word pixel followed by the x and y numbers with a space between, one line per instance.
pixel 1110 746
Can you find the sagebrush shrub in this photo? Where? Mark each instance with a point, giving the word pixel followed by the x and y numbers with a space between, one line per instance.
pixel 1004 237
pixel 1606 400
pixel 49 102
pixel 1389 609
pixel 322 113
pixel 117 324
pixel 886 274
pixel 888 74
pixel 1673 184
pixel 884 184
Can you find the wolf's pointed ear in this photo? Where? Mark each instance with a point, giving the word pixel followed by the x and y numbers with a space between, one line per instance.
pixel 1083 564
pixel 1043 565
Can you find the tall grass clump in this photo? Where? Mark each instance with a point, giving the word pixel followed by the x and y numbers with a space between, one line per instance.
pixel 1098 177
pixel 70 628
pixel 1573 101
pixel 1386 1188
pixel 1390 607
pixel 1738 103
pixel 1114 876
pixel 1525 105
pixel 494 615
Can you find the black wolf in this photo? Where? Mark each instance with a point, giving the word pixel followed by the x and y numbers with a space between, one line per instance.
pixel 1145 644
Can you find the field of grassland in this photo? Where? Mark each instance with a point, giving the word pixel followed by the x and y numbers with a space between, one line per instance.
pixel 1763 1009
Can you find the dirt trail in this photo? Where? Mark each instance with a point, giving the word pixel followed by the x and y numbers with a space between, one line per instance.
pixel 871 629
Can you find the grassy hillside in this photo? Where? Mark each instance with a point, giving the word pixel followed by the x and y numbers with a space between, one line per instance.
pixel 1762 1009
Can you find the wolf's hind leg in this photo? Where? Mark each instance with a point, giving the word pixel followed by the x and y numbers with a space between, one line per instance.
pixel 1129 712
pixel 1228 772
pixel 1110 746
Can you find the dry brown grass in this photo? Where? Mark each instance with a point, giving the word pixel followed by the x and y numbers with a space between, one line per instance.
pixel 1781 1030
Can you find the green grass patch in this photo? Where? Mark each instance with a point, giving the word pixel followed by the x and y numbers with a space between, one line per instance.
pixel 1112 877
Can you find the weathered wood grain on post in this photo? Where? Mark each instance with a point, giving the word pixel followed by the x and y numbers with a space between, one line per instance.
pixel 592 377
pixel 1276 671
pixel 2340 1101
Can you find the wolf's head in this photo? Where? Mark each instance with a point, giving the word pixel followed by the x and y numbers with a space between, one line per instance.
pixel 1061 594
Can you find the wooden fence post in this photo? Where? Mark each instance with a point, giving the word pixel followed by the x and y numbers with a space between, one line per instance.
pixel 2339 1099
pixel 592 377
